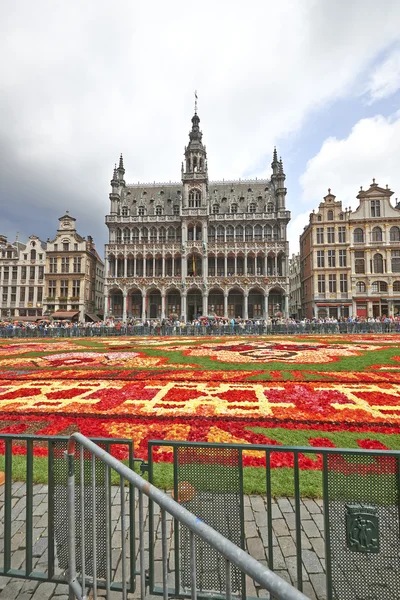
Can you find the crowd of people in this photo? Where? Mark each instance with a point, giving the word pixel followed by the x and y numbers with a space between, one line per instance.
pixel 200 325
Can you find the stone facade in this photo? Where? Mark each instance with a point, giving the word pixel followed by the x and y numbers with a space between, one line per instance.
pixel 325 261
pixel 295 286
pixel 74 275
pixel 350 260
pixel 197 247
pixel 22 278
pixel 375 253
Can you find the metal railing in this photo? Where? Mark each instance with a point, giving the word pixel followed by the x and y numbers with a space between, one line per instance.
pixel 201 330
pixel 361 499
pixel 79 580
pixel 40 457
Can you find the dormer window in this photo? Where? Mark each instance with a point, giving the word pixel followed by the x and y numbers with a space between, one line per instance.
pixel 194 199
pixel 375 208
pixel 234 208
pixel 124 211
pixel 341 216
pixel 270 207
pixel 176 210
pixel 252 207
pixel 215 209
pixel 141 211
pixel 158 210
pixel 319 218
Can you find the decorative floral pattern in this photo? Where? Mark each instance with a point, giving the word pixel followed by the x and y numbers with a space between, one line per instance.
pixel 144 389
pixel 288 351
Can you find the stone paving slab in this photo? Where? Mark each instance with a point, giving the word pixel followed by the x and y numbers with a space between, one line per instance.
pixel 283 558
pixel 256 530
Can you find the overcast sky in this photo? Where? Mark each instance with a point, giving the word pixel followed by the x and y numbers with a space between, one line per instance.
pixel 81 82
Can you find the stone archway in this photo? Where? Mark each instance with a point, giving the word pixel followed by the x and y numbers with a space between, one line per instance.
pixel 216 302
pixel 173 303
pixel 134 305
pixel 194 304
pixel 116 303
pixel 256 303
pixel 276 302
pixel 235 303
pixel 154 304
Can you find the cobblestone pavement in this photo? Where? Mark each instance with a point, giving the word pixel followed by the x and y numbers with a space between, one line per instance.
pixel 284 546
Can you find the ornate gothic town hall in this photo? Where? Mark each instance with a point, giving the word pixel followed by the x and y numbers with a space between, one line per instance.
pixel 197 247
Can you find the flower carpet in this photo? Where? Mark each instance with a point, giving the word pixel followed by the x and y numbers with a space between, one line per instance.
pixel 323 391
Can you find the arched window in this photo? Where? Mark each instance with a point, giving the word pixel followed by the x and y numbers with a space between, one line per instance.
pixel 319 218
pixel 341 216
pixel 379 286
pixel 276 233
pixel 234 208
pixel 270 207
pixel 330 215
pixel 141 211
pixel 124 211
pixel 360 287
pixel 162 235
pixel 220 234
pixel 153 234
pixel 378 263
pixel 395 261
pixel 215 209
pixel 268 232
pixel 396 286
pixel 211 234
pixel 239 233
pixel 394 234
pixel 158 210
pixel 377 234
pixel 194 198
pixel 249 233
pixel 176 210
pixel 135 235
pixel 358 235
pixel 252 207
pixel 258 232
pixel 127 236
pixel 33 254
pixel 145 234
pixel 178 234
pixel 229 233
pixel 119 235
pixel 171 234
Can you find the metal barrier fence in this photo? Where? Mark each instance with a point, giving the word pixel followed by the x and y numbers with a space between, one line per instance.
pixel 361 503
pixel 200 330
pixel 18 453
pixel 96 562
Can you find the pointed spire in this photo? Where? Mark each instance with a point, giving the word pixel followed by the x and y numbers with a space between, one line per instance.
pixel 195 102
pixel 121 162
pixel 115 176
pixel 275 156
pixel 280 166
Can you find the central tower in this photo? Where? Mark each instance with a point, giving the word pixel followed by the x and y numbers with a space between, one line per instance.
pixel 194 169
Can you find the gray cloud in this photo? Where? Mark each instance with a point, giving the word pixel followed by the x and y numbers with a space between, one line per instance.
pixel 82 81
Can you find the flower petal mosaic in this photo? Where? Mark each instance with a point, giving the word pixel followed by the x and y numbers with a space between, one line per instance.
pixel 241 390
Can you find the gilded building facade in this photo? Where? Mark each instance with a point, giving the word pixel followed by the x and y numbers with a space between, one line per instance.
pixel 74 275
pixel 350 260
pixel 325 262
pixel 22 278
pixel 375 253
pixel 197 247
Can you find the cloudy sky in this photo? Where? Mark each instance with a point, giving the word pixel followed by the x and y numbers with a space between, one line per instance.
pixel 81 82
